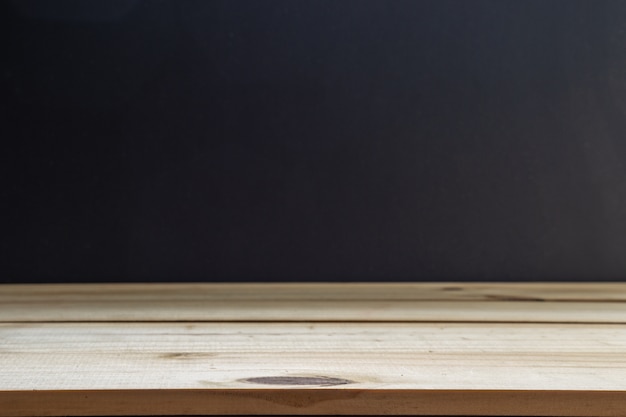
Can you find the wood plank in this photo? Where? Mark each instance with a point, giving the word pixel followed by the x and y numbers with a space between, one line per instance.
pixel 315 402
pixel 575 303
pixel 312 368
pixel 303 311
pixel 602 292
pixel 294 349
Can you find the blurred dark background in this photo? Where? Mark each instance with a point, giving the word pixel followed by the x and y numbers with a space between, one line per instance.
pixel 313 140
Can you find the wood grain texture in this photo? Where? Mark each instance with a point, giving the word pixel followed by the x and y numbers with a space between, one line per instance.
pixel 335 311
pixel 419 356
pixel 321 291
pixel 570 303
pixel 75 350
pixel 315 402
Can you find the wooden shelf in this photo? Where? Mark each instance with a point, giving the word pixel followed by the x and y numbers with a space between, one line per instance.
pixel 313 349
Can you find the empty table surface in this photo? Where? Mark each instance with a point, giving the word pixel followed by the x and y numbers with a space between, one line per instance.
pixel 313 349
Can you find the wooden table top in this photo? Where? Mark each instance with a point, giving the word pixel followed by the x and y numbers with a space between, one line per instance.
pixel 534 349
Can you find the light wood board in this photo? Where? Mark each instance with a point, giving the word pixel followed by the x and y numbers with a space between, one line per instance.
pixel 191 350
pixel 580 291
pixel 528 302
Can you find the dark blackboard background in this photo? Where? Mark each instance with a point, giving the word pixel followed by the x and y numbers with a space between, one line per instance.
pixel 313 140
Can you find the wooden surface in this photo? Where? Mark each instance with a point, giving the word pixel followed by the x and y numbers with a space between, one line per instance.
pixel 313 349
pixel 529 302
